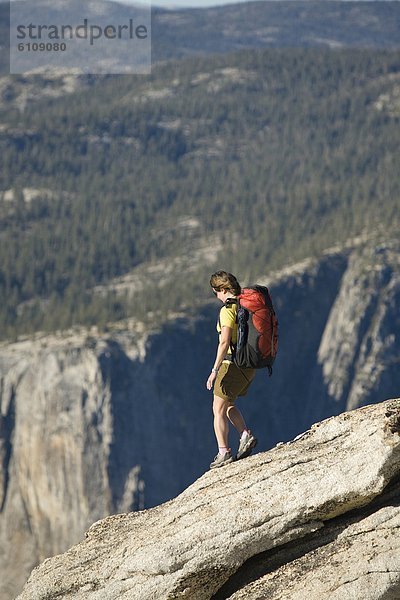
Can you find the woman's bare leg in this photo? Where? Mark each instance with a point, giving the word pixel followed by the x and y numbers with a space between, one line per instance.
pixel 224 410
pixel 221 424
pixel 236 418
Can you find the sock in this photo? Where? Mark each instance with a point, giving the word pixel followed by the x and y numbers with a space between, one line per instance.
pixel 245 433
pixel 222 450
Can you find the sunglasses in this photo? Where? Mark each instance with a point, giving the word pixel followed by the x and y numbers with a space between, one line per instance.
pixel 215 292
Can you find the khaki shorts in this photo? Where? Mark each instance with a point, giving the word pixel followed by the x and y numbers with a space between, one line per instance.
pixel 232 382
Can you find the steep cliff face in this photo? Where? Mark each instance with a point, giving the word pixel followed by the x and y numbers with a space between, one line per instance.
pixel 93 425
pixel 340 334
pixel 319 516
pixel 360 347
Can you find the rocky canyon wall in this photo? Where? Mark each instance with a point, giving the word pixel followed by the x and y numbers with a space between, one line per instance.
pixel 96 424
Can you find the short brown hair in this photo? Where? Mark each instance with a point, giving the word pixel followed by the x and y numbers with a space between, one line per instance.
pixel 222 280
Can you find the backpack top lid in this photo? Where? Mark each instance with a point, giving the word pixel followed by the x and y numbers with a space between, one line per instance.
pixel 256 298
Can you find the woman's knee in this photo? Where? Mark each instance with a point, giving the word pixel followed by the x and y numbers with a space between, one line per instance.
pixel 220 406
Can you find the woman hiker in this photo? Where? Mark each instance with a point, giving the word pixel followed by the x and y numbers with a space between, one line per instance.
pixel 229 381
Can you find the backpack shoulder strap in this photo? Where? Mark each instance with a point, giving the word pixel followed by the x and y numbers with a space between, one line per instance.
pixel 232 302
pixel 229 301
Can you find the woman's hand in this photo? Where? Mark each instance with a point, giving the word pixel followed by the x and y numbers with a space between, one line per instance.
pixel 210 380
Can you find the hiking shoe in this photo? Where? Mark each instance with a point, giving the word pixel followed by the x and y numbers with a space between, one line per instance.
pixel 246 446
pixel 222 459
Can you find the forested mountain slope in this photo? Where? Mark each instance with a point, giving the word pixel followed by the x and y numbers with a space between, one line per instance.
pixel 263 157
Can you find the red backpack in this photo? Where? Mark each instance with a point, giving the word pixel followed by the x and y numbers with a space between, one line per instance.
pixel 257 342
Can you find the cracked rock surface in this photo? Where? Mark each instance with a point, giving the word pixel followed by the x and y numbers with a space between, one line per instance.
pixel 329 500
pixel 356 555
